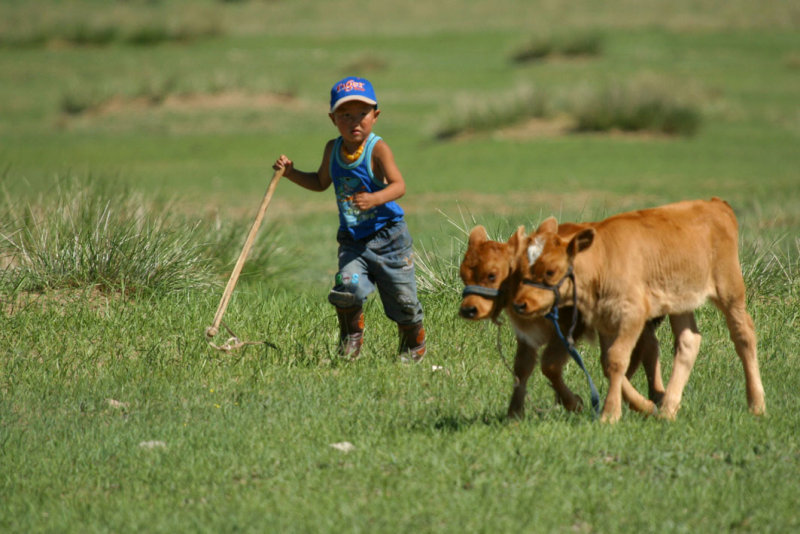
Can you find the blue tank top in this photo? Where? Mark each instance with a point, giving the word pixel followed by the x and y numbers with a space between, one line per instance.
pixel 351 178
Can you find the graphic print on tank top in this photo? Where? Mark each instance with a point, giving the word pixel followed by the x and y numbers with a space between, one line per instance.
pixel 352 178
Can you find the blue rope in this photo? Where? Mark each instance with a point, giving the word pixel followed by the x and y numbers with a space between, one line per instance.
pixel 553 316
pixel 569 342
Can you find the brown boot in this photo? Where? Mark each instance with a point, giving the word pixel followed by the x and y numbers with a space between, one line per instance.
pixel 351 331
pixel 412 342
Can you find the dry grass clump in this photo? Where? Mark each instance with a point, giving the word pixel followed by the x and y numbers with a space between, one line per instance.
pixel 643 105
pixel 488 112
pixel 637 106
pixel 588 43
pixel 89 233
pixel 25 27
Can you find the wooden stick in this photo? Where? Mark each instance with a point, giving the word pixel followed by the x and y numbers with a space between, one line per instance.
pixel 213 330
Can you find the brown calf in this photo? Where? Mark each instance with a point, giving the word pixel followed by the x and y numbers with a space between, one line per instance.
pixel 492 268
pixel 643 264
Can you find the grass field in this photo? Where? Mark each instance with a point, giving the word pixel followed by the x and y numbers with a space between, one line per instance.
pixel 145 130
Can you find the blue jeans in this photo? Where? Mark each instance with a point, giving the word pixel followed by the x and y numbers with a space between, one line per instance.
pixel 384 260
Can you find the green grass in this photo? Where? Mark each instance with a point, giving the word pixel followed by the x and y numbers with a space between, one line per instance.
pixel 247 436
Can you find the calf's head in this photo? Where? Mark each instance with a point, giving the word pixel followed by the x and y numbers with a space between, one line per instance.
pixel 489 272
pixel 545 260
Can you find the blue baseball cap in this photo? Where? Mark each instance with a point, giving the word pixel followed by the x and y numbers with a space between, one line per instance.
pixel 352 88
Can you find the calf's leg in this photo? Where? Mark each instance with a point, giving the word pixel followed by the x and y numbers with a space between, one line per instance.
pixel 616 359
pixel 524 362
pixel 730 299
pixel 635 400
pixel 554 358
pixel 743 335
pixel 647 352
pixel 687 345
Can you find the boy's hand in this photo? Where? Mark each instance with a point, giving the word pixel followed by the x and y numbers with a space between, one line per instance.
pixel 365 201
pixel 284 163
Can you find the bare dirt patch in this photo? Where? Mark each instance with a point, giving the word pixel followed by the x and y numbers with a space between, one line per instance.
pixel 190 102
pixel 537 127
pixel 559 126
pixel 230 100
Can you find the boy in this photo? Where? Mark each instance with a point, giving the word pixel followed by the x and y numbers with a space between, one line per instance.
pixel 374 243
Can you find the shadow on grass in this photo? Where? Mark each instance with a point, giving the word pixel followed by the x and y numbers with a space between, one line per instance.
pixel 452 423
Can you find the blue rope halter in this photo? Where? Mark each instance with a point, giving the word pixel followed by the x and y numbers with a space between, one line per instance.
pixel 568 340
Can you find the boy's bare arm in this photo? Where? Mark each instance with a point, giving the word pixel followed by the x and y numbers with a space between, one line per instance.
pixel 386 169
pixel 314 181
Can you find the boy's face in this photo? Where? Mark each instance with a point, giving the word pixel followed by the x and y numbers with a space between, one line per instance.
pixel 354 120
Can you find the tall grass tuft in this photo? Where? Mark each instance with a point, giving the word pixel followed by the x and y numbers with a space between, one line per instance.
pixel 110 24
pixel 483 113
pixel 89 34
pixel 638 105
pixel 770 270
pixel 151 90
pixel 150 33
pixel 89 233
pixel 437 268
pixel 589 43
pixel 74 101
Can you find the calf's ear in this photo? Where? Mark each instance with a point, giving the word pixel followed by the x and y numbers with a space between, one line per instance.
pixel 477 236
pixel 517 240
pixel 580 242
pixel 550 224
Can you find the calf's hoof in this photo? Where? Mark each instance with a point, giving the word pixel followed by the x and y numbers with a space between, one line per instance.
pixel 516 410
pixel 575 404
pixel 610 418
pixel 516 415
pixel 668 413
pixel 657 397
